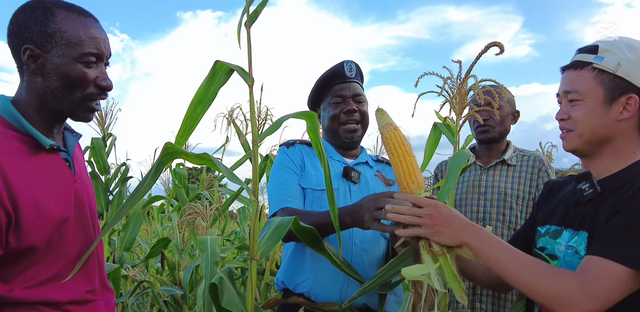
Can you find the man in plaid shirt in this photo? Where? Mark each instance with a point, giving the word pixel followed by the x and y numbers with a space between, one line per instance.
pixel 498 189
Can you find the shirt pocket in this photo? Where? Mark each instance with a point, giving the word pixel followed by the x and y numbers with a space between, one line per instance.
pixel 315 194
pixel 515 210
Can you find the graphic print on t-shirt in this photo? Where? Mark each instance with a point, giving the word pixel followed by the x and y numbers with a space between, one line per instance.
pixel 561 247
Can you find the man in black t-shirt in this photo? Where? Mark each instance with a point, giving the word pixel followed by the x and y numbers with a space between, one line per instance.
pixel 579 250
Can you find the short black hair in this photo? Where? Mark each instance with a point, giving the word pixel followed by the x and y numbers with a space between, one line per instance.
pixel 614 86
pixel 35 23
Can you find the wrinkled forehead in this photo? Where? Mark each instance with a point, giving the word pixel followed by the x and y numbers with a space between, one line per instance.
pixel 84 33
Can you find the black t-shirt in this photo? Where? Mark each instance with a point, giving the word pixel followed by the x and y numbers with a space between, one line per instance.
pixel 562 229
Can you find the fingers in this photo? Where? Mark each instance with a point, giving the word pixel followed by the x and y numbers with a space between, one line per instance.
pixel 409 211
pixel 410 232
pixel 397 202
pixel 403 218
pixel 419 201
pixel 380 227
pixel 378 215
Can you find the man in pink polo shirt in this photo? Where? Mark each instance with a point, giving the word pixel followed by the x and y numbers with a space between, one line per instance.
pixel 48 212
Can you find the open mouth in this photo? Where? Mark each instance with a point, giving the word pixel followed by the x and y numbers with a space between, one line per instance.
pixel 351 124
pixel 565 132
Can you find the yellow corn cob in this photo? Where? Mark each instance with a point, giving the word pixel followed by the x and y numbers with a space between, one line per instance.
pixel 409 178
pixel 405 166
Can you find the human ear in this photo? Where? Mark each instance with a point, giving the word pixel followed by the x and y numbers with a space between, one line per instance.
pixel 515 116
pixel 33 59
pixel 629 105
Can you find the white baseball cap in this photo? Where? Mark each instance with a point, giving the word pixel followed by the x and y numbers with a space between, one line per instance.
pixel 617 55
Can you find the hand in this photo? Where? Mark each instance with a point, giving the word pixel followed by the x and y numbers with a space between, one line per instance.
pixel 368 213
pixel 431 219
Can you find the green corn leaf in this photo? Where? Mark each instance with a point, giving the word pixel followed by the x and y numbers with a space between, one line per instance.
pixel 186 279
pixel 432 144
pixel 99 156
pixel 217 77
pixel 467 141
pixel 241 137
pixel 387 273
pixel 102 197
pixel 457 163
pixel 448 132
pixel 225 295
pixel 275 229
pixel 209 248
pixel 256 13
pixel 129 234
pixel 157 248
pixel 242 15
pixel 447 264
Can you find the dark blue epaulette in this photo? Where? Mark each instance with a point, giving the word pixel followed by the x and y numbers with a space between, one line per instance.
pixel 290 143
pixel 381 159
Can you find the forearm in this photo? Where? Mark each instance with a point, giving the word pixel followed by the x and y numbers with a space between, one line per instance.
pixel 320 220
pixel 555 288
pixel 481 275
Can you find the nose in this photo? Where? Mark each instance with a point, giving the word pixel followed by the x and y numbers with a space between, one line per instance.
pixel 484 115
pixel 562 113
pixel 104 83
pixel 350 106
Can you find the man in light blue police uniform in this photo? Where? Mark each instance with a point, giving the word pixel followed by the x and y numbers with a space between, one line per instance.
pixel 363 185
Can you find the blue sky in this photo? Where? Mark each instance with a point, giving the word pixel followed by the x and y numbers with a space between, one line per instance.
pixel 163 49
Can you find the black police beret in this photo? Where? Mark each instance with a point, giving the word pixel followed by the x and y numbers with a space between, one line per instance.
pixel 345 71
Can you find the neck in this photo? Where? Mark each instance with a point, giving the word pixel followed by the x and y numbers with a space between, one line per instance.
pixel 33 110
pixel 349 153
pixel 488 153
pixel 613 158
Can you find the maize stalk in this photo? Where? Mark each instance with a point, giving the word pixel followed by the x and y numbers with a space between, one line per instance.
pixel 436 271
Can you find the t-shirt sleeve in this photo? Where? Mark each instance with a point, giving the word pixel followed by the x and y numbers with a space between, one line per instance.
pixel 618 236
pixel 283 189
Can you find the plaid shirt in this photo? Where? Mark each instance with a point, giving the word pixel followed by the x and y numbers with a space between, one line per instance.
pixel 500 195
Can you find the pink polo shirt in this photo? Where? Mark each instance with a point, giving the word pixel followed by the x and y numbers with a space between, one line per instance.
pixel 48 220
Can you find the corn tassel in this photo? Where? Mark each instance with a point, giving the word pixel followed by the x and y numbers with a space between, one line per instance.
pixel 436 271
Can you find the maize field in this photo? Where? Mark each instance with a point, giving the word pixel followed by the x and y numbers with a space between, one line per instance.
pixel 188 251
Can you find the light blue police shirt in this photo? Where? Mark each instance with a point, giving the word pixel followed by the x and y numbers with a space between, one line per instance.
pixel 297 181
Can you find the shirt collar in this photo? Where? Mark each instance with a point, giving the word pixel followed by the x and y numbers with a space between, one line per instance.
pixel 509 156
pixel 9 112
pixel 333 154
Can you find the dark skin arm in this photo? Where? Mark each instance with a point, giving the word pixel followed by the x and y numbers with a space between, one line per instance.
pixel 365 214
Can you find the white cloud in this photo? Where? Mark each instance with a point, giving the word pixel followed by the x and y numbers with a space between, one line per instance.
pixel 615 18
pixel 535 100
pixel 505 25
pixel 6 60
pixel 293 43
